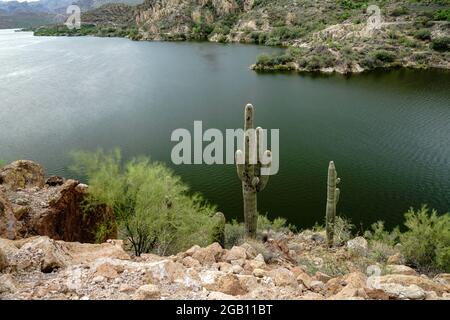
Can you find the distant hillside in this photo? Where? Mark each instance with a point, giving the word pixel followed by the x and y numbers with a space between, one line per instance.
pixel 15 14
pixel 321 35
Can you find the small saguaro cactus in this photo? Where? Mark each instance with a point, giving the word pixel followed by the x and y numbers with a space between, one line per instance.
pixel 332 200
pixel 253 167
pixel 218 232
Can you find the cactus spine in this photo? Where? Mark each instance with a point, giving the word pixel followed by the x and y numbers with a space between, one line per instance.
pixel 249 163
pixel 332 200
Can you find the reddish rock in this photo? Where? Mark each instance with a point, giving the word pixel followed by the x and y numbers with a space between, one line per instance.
pixel 8 222
pixel 22 174
pixel 29 207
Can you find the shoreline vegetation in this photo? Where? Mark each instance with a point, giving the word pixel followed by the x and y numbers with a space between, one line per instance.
pixel 153 211
pixel 318 36
pixel 171 244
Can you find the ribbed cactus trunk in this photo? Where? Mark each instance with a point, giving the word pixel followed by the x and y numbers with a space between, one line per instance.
pixel 249 163
pixel 332 200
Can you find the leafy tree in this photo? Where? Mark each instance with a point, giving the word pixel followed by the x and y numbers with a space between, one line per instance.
pixel 153 209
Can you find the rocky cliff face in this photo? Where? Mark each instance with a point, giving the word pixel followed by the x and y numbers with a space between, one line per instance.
pixel 178 19
pixel 31 205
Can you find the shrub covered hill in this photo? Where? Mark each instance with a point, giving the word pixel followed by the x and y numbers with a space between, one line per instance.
pixel 321 35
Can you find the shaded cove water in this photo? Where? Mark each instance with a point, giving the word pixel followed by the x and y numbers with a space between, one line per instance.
pixel 388 132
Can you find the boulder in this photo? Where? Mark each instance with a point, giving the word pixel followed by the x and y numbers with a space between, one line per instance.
pixel 8 221
pixel 352 285
pixel 107 270
pixel 190 262
pixel 7 283
pixel 206 256
pixel 22 174
pixel 322 277
pixel 400 269
pixel 147 292
pixel 283 277
pixel 303 278
pixel 408 280
pixel 230 284
pixel 395 259
pixel 249 250
pixel 222 282
pixel 164 271
pixel 443 278
pixel 52 255
pixel 358 246
pixel 236 253
pixel 259 273
pixel 398 291
pixel 30 207
pixel 248 282
pixel 316 286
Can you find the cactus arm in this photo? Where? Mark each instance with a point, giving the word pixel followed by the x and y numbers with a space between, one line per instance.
pixel 338 192
pixel 239 164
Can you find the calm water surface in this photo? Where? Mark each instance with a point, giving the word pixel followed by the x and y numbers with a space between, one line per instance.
pixel 388 132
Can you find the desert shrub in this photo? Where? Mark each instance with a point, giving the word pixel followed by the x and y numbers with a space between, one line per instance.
pixel 380 251
pixel 442 15
pixel 342 230
pixel 441 44
pixel 399 11
pixel 153 209
pixel 408 42
pixel 278 224
pixel 349 4
pixel 221 29
pixel 426 243
pixel 234 234
pixel 263 59
pixel 384 56
pixel 378 233
pixel 422 34
pixel 2 163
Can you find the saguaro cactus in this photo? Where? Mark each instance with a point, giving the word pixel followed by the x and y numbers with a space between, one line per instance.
pixel 250 163
pixel 218 232
pixel 332 200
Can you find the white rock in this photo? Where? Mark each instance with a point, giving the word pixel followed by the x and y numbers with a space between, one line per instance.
pixel 147 292
pixel 358 246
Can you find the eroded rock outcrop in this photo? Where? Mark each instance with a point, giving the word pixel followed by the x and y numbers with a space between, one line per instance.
pixel 31 205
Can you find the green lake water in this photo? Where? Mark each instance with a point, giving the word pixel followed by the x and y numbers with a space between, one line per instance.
pixel 388 132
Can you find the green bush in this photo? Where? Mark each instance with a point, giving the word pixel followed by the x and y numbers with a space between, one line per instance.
pixel 342 230
pixel 426 243
pixel 422 34
pixel 152 207
pixel 234 234
pixel 263 59
pixel 442 15
pixel 384 56
pixel 399 11
pixel 441 44
pixel 378 233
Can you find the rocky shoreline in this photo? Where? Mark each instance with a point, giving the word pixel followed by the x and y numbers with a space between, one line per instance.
pixel 42 268
pixel 47 252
